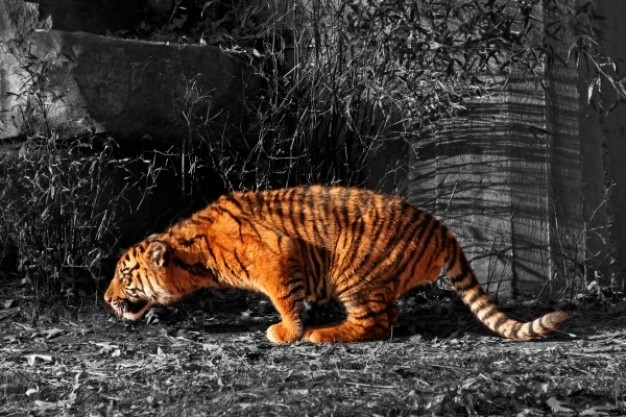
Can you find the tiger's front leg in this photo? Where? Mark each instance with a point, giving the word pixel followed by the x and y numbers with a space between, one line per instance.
pixel 289 302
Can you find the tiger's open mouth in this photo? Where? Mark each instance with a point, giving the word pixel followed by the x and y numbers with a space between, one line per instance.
pixel 132 310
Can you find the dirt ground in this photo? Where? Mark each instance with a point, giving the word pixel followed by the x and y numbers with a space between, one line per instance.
pixel 209 356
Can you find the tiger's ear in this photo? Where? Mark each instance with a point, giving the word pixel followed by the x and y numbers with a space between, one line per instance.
pixel 158 253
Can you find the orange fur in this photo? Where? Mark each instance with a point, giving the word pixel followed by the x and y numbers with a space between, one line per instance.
pixel 314 243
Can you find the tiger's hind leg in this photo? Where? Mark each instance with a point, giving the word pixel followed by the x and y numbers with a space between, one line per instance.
pixel 364 321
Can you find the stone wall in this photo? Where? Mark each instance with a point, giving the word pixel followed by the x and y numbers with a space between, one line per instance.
pixel 75 83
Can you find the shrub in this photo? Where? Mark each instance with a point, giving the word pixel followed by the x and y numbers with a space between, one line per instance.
pixel 345 79
pixel 62 203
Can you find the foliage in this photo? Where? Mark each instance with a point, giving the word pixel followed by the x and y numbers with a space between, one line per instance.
pixel 344 79
pixel 61 208
pixel 361 75
pixel 586 52
pixel 64 201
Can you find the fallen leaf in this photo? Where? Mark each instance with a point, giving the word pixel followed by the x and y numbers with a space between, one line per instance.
pixel 599 410
pixel 46 405
pixel 303 391
pixel 209 347
pixel 106 346
pixel 468 383
pixel 32 391
pixel 25 327
pixel 8 303
pixel 32 358
pixel 54 333
pixel 10 338
pixel 557 406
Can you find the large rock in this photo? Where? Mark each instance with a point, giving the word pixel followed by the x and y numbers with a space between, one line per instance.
pixel 74 83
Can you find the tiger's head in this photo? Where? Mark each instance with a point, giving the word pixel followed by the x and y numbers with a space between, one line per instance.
pixel 142 280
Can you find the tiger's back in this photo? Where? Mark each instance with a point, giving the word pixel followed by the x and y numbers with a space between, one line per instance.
pixel 315 243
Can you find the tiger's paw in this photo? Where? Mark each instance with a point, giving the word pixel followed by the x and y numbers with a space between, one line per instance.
pixel 280 334
pixel 345 332
pixel 319 336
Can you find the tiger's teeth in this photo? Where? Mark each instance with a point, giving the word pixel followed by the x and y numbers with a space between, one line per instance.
pixel 129 315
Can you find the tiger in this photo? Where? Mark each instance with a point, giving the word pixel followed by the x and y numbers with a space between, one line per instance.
pixel 310 244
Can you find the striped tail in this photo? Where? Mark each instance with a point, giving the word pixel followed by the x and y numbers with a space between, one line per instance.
pixel 485 309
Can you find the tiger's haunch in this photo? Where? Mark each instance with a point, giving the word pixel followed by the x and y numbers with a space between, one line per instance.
pixel 314 243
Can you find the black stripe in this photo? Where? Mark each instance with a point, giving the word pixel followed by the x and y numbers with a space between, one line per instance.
pixel 212 254
pixel 398 252
pixel 299 286
pixel 345 211
pixel 494 310
pixel 349 251
pixel 275 211
pixel 197 268
pixel 252 201
pixel 531 332
pixel 207 219
pixel 231 199
pixel 148 282
pixel 453 252
pixel 415 259
pixel 189 242
pixel 236 218
pixel 476 308
pixel 374 273
pixel 465 269
pixel 413 234
pixel 243 267
pixel 303 204
pixel 358 198
pixel 475 297
pixel 544 327
pixel 229 268
pixel 293 208
pixel 138 281
pixel 400 268
pixel 390 246
pixel 500 322
pixel 253 225
pixel 322 273
pixel 439 239
pixel 312 267
pixel 424 237
pixel 473 283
